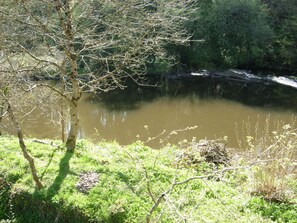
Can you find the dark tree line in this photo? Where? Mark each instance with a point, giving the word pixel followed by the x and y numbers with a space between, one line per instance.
pixel 248 34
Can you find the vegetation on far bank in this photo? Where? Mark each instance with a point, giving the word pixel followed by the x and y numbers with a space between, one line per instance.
pixel 245 34
pixel 107 182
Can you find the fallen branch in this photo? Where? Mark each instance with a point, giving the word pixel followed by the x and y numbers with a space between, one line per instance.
pixel 174 183
pixel 146 177
pixel 46 143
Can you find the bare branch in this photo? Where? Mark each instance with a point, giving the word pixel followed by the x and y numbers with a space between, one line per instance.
pixel 55 90
pixel 146 177
pixel 23 146
pixel 174 183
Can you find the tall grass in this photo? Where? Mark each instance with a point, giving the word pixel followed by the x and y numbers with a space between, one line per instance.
pixel 272 153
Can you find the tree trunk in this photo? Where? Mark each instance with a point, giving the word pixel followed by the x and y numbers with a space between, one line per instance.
pixel 24 148
pixel 62 107
pixel 74 121
pixel 3 110
pixel 65 17
pixel 62 123
pixel 1 115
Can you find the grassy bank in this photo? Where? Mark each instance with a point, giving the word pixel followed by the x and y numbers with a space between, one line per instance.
pixel 111 183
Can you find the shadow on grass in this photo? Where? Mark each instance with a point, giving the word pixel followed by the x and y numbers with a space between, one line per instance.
pixel 64 170
pixel 39 207
pixel 28 209
pixel 126 180
pixel 48 163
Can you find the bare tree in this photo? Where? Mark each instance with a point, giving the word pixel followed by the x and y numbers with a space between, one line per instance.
pixel 6 109
pixel 92 45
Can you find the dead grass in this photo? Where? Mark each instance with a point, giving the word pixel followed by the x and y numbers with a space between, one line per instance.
pixel 274 155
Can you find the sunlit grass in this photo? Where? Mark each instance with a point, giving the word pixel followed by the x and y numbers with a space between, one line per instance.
pixel 128 179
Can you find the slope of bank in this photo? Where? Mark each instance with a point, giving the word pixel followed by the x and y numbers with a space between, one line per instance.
pixel 111 183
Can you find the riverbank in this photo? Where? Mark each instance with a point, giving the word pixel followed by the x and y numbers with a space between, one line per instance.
pixel 107 182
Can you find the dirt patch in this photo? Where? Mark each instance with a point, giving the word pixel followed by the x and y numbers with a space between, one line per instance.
pixel 87 181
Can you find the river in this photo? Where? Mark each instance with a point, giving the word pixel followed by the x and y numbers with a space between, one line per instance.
pixel 212 118
pixel 179 109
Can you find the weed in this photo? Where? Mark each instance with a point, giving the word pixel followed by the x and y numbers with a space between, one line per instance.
pixel 275 164
pixel 278 212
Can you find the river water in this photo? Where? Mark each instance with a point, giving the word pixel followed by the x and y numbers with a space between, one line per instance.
pixel 177 110
pixel 212 119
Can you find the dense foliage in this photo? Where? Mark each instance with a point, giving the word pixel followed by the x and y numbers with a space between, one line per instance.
pixel 249 34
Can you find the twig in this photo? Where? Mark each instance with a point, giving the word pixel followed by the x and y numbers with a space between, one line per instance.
pixel 155 137
pixel 2 115
pixel 45 143
pixel 146 177
pixel 174 183
pixel 153 208
pixel 175 209
pixel 222 202
pixel 55 90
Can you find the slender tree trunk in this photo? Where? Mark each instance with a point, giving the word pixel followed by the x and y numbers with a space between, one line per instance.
pixel 62 107
pixel 65 17
pixel 24 148
pixel 62 122
pixel 3 110
pixel 76 94
pixel 74 121
pixel 1 115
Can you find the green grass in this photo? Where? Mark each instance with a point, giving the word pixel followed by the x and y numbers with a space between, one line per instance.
pixel 278 212
pixel 121 194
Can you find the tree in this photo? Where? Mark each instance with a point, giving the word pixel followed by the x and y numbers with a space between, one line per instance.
pixel 234 33
pixel 283 20
pixel 16 93
pixel 91 45
pixel 7 109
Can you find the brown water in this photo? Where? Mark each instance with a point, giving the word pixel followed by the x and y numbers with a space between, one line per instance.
pixel 214 118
